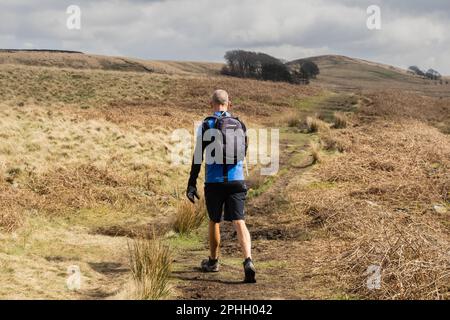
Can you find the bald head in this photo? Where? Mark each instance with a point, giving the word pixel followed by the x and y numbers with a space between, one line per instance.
pixel 220 98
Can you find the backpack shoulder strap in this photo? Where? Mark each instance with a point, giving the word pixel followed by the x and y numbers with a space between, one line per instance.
pixel 205 125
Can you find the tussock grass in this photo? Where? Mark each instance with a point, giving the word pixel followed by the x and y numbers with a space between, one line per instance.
pixel 315 152
pixel 294 122
pixel 331 141
pixel 189 217
pixel 150 263
pixel 314 124
pixel 340 120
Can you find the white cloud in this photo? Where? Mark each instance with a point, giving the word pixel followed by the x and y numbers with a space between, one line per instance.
pixel 412 32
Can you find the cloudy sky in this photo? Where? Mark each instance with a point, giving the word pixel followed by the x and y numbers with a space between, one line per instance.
pixel 413 32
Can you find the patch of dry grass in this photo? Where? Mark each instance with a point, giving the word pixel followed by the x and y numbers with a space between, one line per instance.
pixel 189 217
pixel 380 203
pixel 89 61
pixel 392 105
pixel 314 125
pixel 34 260
pixel 330 141
pixel 340 120
pixel 55 162
pixel 315 149
pixel 10 219
pixel 150 262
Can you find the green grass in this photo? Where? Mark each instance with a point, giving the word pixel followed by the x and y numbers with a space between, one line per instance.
pixel 324 105
pixel 272 264
pixel 345 296
pixel 267 183
pixel 387 74
pixel 321 185
pixel 192 242
pixel 309 104
pixel 101 217
pixel 299 159
pixel 293 137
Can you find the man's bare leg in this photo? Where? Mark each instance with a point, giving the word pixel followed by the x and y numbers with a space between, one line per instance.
pixel 243 237
pixel 245 241
pixel 214 239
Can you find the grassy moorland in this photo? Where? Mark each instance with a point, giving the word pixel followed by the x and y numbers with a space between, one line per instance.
pixel 85 178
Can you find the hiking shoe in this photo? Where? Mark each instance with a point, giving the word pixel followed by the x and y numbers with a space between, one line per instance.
pixel 249 270
pixel 210 265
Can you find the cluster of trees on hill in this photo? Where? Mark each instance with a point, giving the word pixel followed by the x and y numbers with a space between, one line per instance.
pixel 307 67
pixel 261 66
pixel 430 74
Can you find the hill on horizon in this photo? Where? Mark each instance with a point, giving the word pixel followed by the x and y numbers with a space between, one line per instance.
pixel 336 71
pixel 352 73
pixel 80 60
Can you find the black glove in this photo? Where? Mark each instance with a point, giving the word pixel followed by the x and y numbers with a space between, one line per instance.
pixel 191 193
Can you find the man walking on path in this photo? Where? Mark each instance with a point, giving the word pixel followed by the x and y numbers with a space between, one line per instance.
pixel 225 189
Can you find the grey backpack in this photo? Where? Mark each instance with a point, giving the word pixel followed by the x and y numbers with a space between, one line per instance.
pixel 233 137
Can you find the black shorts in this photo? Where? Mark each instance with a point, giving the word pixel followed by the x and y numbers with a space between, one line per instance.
pixel 227 199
